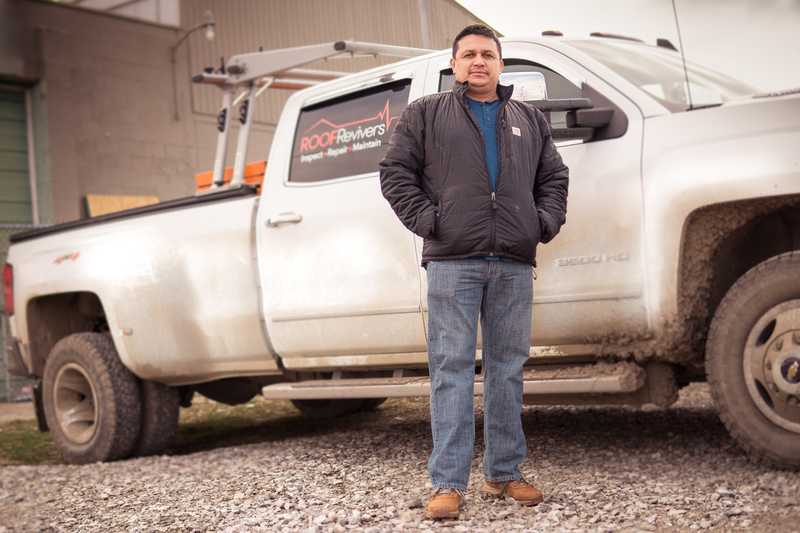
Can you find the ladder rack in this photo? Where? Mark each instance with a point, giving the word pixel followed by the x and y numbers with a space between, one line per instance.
pixel 277 69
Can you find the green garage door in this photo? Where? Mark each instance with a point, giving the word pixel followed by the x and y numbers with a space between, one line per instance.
pixel 15 188
pixel 15 203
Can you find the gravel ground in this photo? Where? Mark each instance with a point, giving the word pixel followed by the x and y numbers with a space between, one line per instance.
pixel 601 469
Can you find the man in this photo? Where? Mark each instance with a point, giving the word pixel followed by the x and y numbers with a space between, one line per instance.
pixel 476 175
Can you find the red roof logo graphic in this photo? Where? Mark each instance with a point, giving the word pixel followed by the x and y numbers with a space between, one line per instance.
pixel 385 116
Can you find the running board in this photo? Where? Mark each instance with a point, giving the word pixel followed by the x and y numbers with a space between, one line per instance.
pixel 597 378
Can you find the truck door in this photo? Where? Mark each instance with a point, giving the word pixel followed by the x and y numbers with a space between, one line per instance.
pixel 590 277
pixel 339 277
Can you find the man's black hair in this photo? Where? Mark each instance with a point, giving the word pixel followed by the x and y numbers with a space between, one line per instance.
pixel 477 29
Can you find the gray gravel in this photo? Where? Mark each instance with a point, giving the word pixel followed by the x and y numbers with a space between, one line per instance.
pixel 601 469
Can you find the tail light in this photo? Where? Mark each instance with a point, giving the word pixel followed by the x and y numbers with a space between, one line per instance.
pixel 8 289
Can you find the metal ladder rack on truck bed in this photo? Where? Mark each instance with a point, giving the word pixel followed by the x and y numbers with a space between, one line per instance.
pixel 277 69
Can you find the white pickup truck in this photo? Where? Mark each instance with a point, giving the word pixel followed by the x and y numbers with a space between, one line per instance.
pixel 679 262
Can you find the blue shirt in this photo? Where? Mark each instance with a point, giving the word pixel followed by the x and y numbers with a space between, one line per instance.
pixel 485 114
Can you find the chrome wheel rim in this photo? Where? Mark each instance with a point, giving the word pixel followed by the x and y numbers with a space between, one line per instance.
pixel 772 365
pixel 75 404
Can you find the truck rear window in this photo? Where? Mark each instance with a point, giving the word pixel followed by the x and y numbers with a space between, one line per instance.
pixel 347 136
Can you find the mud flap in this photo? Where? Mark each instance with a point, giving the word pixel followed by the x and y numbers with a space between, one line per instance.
pixel 38 405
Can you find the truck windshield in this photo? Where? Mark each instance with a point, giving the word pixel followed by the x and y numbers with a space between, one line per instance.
pixel 659 73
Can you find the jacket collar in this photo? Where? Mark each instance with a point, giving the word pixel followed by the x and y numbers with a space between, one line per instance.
pixel 504 92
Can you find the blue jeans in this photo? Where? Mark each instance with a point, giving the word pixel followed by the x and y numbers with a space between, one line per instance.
pixel 458 291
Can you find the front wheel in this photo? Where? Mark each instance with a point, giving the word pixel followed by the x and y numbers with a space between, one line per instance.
pixel 753 361
pixel 91 401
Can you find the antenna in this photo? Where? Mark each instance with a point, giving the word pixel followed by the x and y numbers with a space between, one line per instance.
pixel 683 55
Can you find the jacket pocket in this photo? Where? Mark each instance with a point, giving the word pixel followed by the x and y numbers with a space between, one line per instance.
pixel 451 227
pixel 536 225
pixel 437 221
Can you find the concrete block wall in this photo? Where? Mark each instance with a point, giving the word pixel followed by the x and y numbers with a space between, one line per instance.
pixel 105 88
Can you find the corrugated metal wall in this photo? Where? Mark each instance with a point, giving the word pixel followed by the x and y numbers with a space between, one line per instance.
pixel 245 25
pixel 446 18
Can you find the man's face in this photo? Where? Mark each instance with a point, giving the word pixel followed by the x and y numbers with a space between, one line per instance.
pixel 477 62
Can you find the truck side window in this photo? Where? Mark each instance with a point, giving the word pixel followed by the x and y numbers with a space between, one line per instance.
pixel 557 85
pixel 347 136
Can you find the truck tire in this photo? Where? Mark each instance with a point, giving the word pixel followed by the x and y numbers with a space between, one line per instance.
pixel 91 401
pixel 319 409
pixel 753 361
pixel 160 412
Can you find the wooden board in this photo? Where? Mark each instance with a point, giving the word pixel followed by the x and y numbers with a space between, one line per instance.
pixel 103 204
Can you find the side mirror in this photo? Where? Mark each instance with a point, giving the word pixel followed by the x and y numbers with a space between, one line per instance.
pixel 581 117
pixel 590 118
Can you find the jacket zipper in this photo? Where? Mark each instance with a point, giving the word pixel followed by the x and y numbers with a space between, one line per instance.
pixel 499 127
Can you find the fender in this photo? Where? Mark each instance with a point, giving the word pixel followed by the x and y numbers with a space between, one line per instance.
pixel 711 157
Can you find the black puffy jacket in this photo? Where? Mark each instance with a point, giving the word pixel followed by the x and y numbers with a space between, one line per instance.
pixel 436 179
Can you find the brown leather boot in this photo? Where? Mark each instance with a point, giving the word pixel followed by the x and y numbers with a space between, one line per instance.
pixel 520 490
pixel 445 503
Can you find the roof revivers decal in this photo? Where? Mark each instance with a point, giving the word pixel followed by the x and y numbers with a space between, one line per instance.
pixel 347 136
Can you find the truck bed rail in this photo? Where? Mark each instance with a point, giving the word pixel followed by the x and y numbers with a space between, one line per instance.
pixel 180 203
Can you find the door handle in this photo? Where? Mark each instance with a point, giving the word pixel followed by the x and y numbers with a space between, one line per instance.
pixel 284 218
